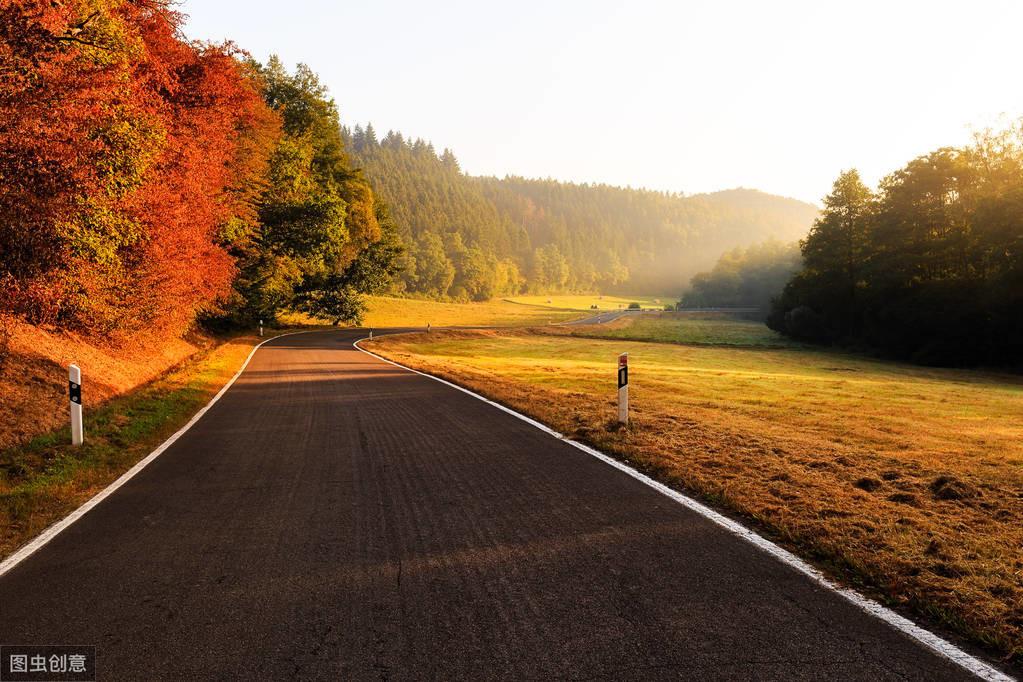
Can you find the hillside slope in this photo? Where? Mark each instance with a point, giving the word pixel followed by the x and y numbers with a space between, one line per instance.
pixel 33 378
pixel 476 237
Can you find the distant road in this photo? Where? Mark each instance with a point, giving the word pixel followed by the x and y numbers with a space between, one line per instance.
pixel 337 517
pixel 607 316
pixel 611 315
pixel 732 311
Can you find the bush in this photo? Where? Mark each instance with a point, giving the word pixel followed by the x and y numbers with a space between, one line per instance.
pixel 634 306
pixel 805 324
pixel 933 323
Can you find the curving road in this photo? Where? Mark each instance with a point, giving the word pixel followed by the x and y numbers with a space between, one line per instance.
pixel 336 517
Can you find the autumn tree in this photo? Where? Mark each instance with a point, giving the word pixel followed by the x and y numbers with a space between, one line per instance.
pixel 128 156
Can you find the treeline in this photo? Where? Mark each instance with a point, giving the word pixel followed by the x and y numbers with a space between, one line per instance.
pixel 928 268
pixel 477 237
pixel 750 277
pixel 146 179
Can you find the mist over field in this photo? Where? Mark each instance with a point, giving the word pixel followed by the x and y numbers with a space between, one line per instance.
pixel 478 237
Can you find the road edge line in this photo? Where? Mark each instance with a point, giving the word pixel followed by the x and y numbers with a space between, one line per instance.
pixel 39 541
pixel 934 642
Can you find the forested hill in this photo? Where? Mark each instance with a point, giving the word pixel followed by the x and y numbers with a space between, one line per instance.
pixel 476 237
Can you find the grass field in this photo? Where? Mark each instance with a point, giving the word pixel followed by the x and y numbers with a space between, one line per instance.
pixel 388 311
pixel 585 302
pixel 45 479
pixel 904 481
pixel 687 328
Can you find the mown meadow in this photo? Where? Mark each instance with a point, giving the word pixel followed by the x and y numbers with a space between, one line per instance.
pixel 903 481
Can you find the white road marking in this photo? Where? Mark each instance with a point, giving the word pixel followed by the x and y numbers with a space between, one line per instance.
pixel 908 627
pixel 52 532
pixel 932 641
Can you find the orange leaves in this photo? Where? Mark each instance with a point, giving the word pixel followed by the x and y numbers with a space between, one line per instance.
pixel 124 150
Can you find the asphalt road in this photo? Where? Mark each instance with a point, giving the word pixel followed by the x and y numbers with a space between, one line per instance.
pixel 611 315
pixel 605 316
pixel 333 516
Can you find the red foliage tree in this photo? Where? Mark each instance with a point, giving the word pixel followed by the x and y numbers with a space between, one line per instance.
pixel 128 157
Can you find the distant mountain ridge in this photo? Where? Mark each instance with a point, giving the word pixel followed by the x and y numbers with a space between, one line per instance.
pixel 473 237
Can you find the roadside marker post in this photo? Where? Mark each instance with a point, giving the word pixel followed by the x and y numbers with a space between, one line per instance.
pixel 370 334
pixel 261 327
pixel 623 389
pixel 427 327
pixel 74 390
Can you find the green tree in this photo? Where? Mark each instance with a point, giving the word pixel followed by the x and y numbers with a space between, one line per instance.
pixel 930 269
pixel 746 277
pixel 322 238
pixel 836 246
pixel 835 254
pixel 338 296
pixel 609 237
pixel 550 268
pixel 434 271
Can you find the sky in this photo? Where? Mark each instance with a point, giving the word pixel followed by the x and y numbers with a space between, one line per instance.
pixel 678 96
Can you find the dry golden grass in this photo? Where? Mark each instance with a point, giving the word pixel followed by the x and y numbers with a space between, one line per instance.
pixel 390 311
pixel 33 378
pixel 902 480
pixel 587 301
pixel 717 329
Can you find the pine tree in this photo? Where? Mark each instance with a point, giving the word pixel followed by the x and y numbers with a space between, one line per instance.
pixel 449 161
pixel 835 250
pixel 608 237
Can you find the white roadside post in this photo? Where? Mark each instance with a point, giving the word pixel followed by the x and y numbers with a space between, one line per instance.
pixel 370 334
pixel 261 327
pixel 623 389
pixel 74 386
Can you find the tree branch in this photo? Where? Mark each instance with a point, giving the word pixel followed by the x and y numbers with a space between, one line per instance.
pixel 72 33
